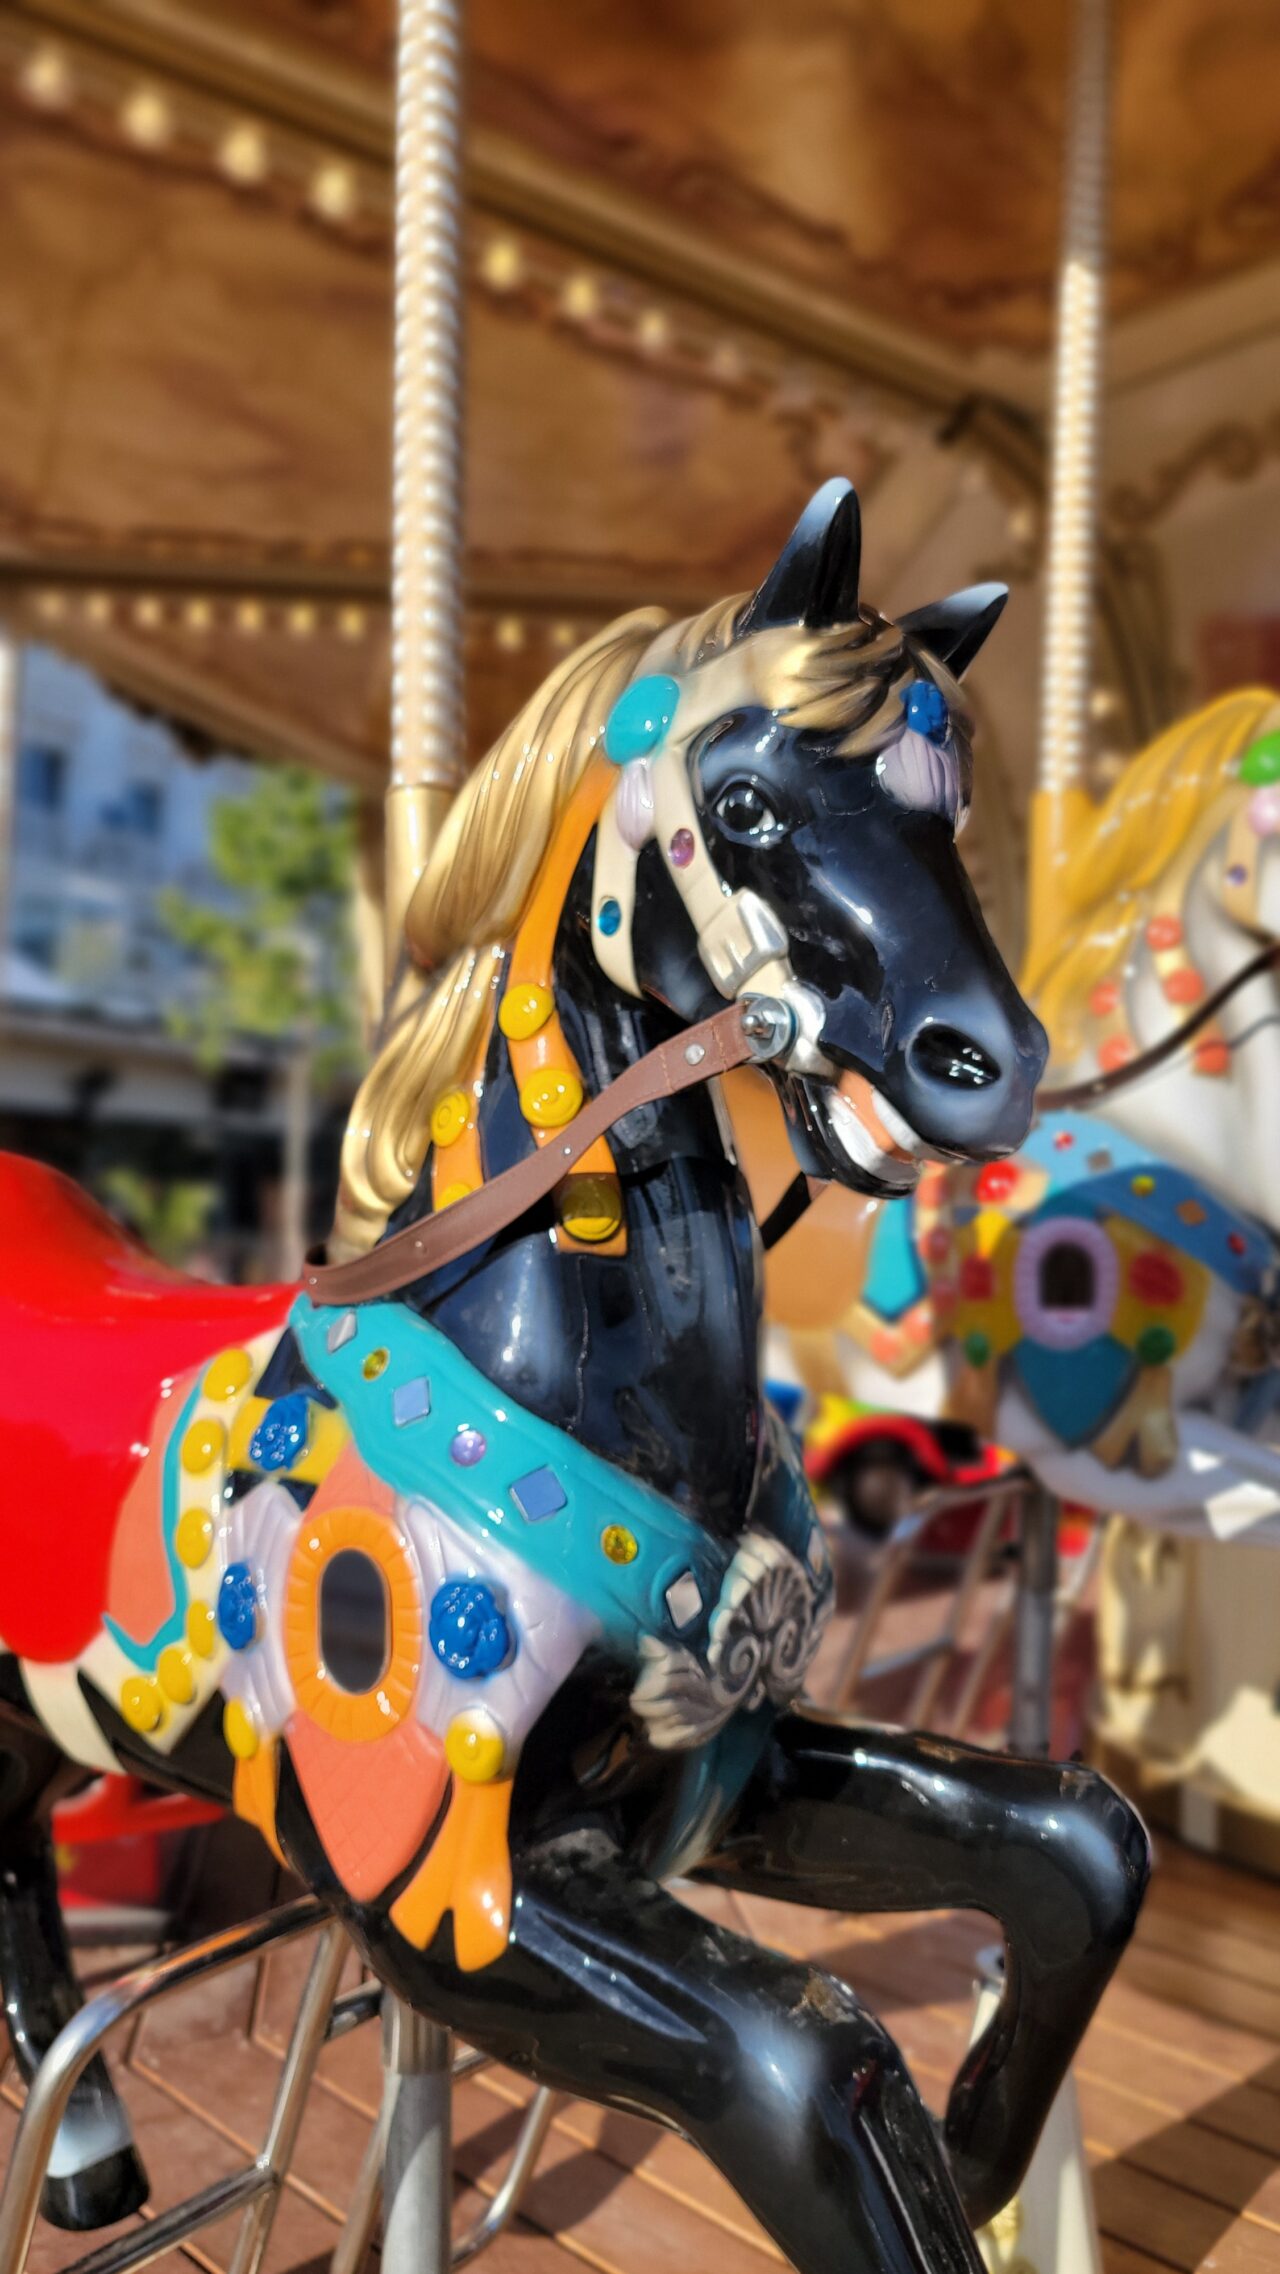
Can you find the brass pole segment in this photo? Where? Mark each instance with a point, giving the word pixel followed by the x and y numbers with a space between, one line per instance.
pixel 1061 793
pixel 426 569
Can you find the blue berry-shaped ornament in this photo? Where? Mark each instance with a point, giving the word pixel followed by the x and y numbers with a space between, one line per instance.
pixel 926 709
pixel 237 1611
pixel 280 1438
pixel 467 1631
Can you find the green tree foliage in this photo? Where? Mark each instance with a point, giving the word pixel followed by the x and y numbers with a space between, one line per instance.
pixel 171 1219
pixel 277 959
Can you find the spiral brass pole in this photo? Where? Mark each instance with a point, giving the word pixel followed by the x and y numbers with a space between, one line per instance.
pixel 1061 794
pixel 427 621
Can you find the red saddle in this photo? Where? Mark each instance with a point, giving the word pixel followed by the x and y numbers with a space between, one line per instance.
pixel 91 1329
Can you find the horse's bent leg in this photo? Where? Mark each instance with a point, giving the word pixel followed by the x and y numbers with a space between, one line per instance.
pixel 610 1988
pixel 95 2176
pixel 856 1818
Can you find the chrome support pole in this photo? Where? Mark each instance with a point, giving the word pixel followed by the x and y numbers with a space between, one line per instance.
pixel 1031 1715
pixel 500 2212
pixel 74 2047
pixel 310 2032
pixel 417 2185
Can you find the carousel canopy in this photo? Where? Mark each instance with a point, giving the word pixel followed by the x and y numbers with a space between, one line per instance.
pixel 717 250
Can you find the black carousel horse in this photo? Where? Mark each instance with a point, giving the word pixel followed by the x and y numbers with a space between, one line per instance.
pixel 487 1586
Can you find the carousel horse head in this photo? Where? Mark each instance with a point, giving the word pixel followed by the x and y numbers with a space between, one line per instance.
pixel 761 800
pixel 785 822
pixel 1171 887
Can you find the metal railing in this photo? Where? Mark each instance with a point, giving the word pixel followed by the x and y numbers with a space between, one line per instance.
pixel 1036 1600
pixel 256 2190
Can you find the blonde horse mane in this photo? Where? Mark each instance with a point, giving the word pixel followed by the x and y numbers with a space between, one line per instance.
pixel 1143 839
pixel 469 901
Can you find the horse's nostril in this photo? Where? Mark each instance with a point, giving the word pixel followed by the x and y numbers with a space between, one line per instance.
pixel 943 1054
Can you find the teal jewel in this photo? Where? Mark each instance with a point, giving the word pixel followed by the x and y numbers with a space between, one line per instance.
pixel 608 917
pixel 1260 764
pixel 640 718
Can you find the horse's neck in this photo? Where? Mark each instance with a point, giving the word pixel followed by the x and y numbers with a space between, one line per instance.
pixel 650 1357
pixel 1220 1127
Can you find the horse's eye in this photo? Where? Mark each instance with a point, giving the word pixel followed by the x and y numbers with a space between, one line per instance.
pixel 744 812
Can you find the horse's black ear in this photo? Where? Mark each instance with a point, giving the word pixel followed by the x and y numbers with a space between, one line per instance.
pixel 954 629
pixel 815 577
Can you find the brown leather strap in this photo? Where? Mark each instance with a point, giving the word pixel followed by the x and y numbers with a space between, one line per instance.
pixel 697 1055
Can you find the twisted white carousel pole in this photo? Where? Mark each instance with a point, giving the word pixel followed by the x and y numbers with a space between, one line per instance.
pixel 426 767
pixel 426 567
pixel 1061 793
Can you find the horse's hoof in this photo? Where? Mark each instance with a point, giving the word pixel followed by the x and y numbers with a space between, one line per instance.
pixel 97 2196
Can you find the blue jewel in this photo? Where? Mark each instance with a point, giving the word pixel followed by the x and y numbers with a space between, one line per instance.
pixel 640 717
pixel 926 709
pixel 608 917
pixel 237 1611
pixel 281 1435
pixel 468 1632
pixel 538 1495
pixel 411 1401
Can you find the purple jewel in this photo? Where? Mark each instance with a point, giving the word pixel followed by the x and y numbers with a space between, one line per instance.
pixel 681 848
pixel 1237 873
pixel 467 1447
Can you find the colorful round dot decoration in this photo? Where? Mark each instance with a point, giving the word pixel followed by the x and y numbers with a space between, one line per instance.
pixel 176 1673
pixel 640 718
pixel 1264 811
pixel 524 1009
pixel 977 1349
pixel 467 1630
pixel 1156 1345
pixel 229 1374
pixel 240 1731
pixel 681 849
pixel 202 1629
pixel 237 1612
pixel 376 1363
pixel 1260 764
pixel 620 1545
pixel 926 709
pixel 474 1748
pixel 551 1097
pixel 193 1537
pixel 590 1207
pixel 449 1118
pixel 141 1703
pixel 202 1446
pixel 458 1190
pixel 467 1446
pixel 609 918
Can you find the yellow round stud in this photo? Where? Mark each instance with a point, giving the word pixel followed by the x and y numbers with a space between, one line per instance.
pixel 231 1372
pixel 1142 1184
pixel 473 1747
pixel 524 1009
pixel 240 1731
pixel 176 1673
pixel 550 1098
pixel 590 1207
pixel 141 1703
pixel 193 1537
pixel 620 1545
pixel 202 1446
pixel 459 1190
pixel 202 1629
pixel 376 1363
pixel 449 1117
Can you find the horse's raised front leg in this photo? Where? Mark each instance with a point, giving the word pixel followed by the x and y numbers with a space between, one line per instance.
pixel 94 2176
pixel 612 1989
pixel 858 1818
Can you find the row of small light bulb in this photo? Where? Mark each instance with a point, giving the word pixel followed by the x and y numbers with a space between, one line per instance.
pixel 148 118
pixel 251 617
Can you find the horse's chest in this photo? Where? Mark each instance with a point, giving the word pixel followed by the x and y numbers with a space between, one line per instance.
pixel 649 1359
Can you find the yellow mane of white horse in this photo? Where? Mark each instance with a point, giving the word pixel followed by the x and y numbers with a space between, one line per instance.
pixel 1136 854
